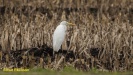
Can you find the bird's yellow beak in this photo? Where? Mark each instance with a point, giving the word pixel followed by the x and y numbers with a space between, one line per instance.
pixel 71 24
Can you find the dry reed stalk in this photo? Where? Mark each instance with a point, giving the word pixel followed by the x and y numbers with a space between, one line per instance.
pixel 41 63
pixel 7 59
pixel 59 62
pixel 1 55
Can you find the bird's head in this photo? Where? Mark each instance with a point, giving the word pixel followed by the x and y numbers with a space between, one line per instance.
pixel 66 23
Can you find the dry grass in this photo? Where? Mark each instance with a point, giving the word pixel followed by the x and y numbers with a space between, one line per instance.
pixel 103 38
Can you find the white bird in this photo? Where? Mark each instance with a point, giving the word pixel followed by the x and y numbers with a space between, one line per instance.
pixel 59 35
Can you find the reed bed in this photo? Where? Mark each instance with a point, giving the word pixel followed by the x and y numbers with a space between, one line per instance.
pixel 102 39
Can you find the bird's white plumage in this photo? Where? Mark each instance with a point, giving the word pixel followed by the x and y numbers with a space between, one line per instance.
pixel 59 35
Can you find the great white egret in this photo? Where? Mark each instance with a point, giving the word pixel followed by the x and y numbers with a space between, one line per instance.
pixel 59 35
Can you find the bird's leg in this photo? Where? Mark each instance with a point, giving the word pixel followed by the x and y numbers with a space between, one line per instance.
pixel 53 53
pixel 61 51
pixel 54 56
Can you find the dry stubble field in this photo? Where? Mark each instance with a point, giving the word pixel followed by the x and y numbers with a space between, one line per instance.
pixel 102 39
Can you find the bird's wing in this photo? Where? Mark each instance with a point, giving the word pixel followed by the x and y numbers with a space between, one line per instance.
pixel 58 37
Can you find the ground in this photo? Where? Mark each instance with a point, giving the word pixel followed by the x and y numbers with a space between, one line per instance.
pixel 66 71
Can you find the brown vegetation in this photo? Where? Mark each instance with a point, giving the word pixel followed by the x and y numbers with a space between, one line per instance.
pixel 103 38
